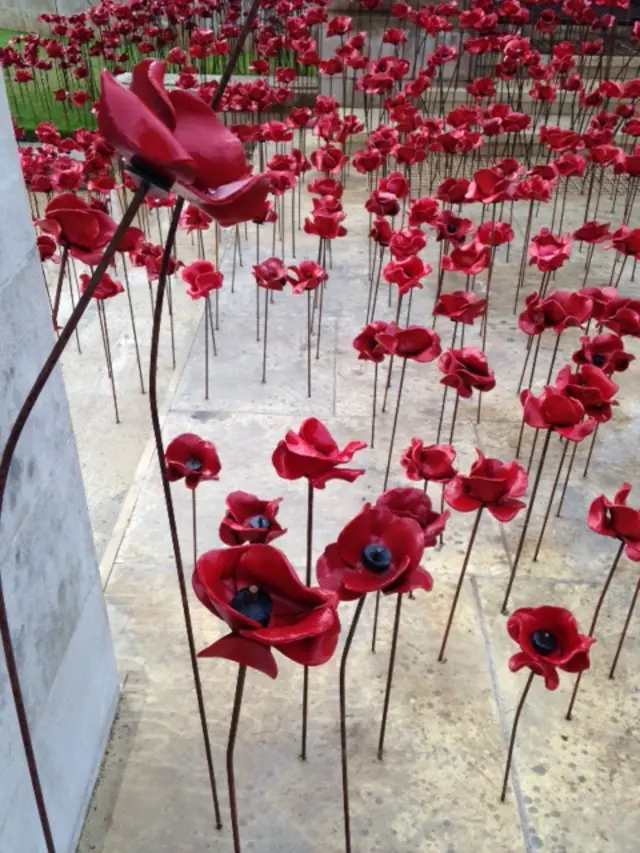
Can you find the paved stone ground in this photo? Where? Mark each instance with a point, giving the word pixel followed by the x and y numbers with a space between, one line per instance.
pixel 574 785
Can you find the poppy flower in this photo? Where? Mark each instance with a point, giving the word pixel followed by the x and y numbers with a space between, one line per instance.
pixel 190 457
pixel 604 351
pixel 407 242
pixel 131 239
pixel 414 504
pixel 549 640
pixel 175 137
pixel 461 306
pixel 326 186
pixel 465 369
pixel 549 252
pixel 494 233
pixel 621 315
pixel 471 259
pixel 73 223
pixel 433 463
pixel 560 310
pixel 451 227
pixel 453 190
pixel 201 277
pixel 592 232
pixel 406 273
pixel 307 275
pixel 256 591
pixel 382 204
pixel 491 484
pixel 554 409
pixel 326 223
pixel 489 186
pixel 414 342
pixel 381 231
pixel 423 211
pixel 46 248
pixel 616 519
pixel 106 289
pixel 368 346
pixel 312 453
pixel 249 520
pixel 375 552
pixel 328 160
pixel 592 388
pixel 270 274
pixel 626 241
pixel 367 160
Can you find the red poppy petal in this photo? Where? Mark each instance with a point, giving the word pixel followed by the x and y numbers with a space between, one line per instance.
pixel 415 578
pixel 363 581
pixel 315 433
pixel 348 475
pixel 310 625
pixel 314 651
pixel 506 510
pixel 243 652
pixel 147 83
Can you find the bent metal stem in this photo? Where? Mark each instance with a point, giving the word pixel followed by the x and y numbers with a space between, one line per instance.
pixel 157 429
pixel 5 464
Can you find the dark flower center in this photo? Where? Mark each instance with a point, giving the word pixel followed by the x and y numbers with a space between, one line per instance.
pixel 598 360
pixel 253 603
pixel 543 643
pixel 193 465
pixel 376 558
pixel 259 522
pixel 451 228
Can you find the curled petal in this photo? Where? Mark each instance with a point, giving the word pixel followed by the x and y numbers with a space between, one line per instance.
pixel 243 652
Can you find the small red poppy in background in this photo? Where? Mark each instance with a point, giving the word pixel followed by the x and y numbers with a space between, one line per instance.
pixel 494 233
pixel 604 351
pixel 554 409
pixel 408 242
pixel 307 275
pixel 83 230
pixel 471 259
pixel 368 346
pixel 415 342
pixel 617 520
pixel 375 552
pixel 47 248
pixel 249 520
pixel 191 458
pixel 381 231
pixel 256 591
pixel 465 369
pixel 328 160
pixel 270 274
pixel 201 277
pixel 490 186
pixel 423 211
pixel 312 453
pixel 491 484
pixel 549 640
pixel 106 289
pixel 406 273
pixel 593 232
pixel 559 310
pixel 549 252
pixel 416 505
pixel 131 240
pixel 461 306
pixel 326 222
pixel 626 241
pixel 592 387
pixel 433 462
pixel 450 227
pixel 621 315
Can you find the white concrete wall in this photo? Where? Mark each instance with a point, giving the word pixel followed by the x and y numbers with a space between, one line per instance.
pixel 47 559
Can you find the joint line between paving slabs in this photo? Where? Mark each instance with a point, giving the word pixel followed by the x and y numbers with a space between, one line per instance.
pixel 504 727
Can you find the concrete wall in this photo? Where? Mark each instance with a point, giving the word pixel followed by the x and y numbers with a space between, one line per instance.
pixel 24 14
pixel 47 559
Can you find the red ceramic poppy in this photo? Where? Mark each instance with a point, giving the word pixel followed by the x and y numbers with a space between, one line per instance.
pixel 489 186
pixel 131 239
pixel 106 289
pixel 368 346
pixel 46 248
pixel 312 453
pixel 415 342
pixel 328 159
pixel 465 369
pixel 453 190
pixel 382 204
pixel 256 591
pixel 491 484
pixel 616 519
pixel 326 186
pixel 381 231
pixel 549 252
pixel 450 227
pixel 560 310
pixel 592 232
pixel 604 351
pixel 375 552
pixel 471 259
pixel 307 275
pixel 191 458
pixel 407 242
pixel 433 463
pixel 621 315
pixel 73 223
pixel 461 306
pixel 555 410
pixel 494 233
pixel 270 274
pixel 423 211
pixel 406 273
pixel 626 241
pixel 549 640
pixel 174 136
pixel 249 520
pixel 326 222
pixel 416 505
pixel 592 388
pixel 201 278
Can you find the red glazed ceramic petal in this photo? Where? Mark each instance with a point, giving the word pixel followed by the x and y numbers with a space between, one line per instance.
pixel 456 497
pixel 506 510
pixel 355 536
pixel 134 131
pixel 92 259
pixel 79 227
pixel 349 475
pixel 486 489
pixel 578 432
pixel 532 412
pixel 51 227
pixel 271 571
pixel 243 505
pixel 218 153
pixel 622 494
pixel 313 623
pixel 243 652
pixel 66 201
pixel 597 518
pixel 147 83
pixel 330 572
pixel 315 433
pixel 626 521
pixel 632 551
pixel 230 204
pixel 405 539
pixel 288 465
pixel 314 651
pixel 415 578
pixel 363 582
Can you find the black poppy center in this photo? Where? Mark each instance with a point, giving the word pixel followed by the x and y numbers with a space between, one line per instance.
pixel 451 229
pixel 193 465
pixel 543 643
pixel 259 522
pixel 598 360
pixel 253 603
pixel 376 558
